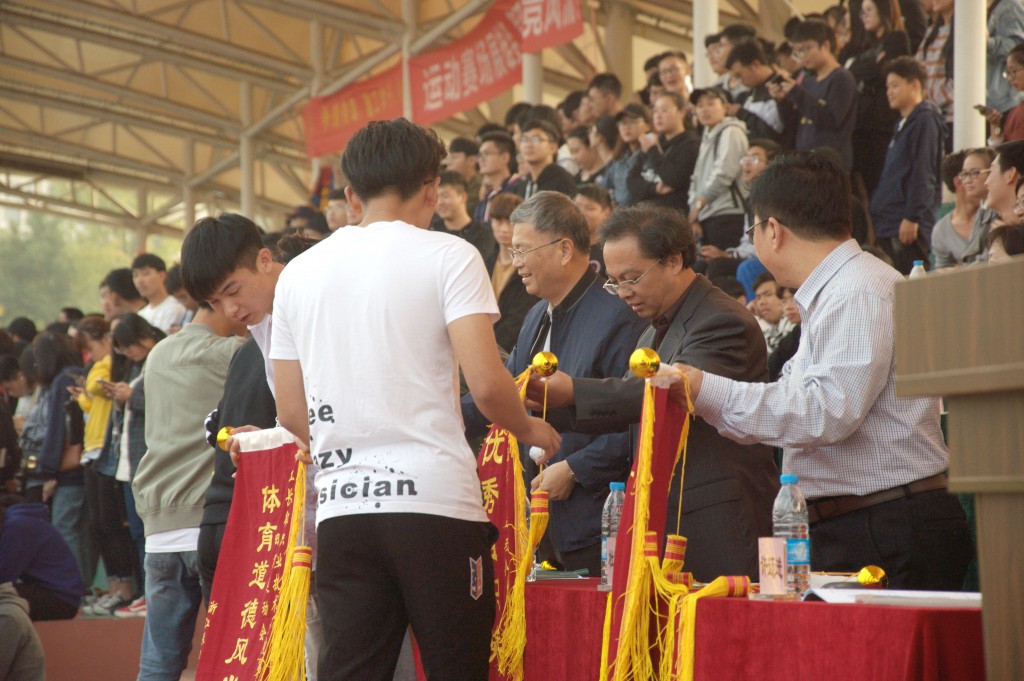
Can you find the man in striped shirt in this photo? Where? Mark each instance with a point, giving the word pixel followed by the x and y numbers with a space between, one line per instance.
pixel 872 465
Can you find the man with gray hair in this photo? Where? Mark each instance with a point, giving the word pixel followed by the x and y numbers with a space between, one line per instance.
pixel 592 334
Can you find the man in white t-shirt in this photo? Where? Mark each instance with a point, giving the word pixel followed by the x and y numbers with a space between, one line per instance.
pixel 149 274
pixel 370 328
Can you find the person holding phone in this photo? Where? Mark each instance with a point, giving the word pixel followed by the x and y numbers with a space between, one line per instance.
pixel 1010 127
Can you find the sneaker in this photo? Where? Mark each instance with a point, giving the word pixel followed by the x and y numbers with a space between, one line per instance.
pixel 105 606
pixel 136 608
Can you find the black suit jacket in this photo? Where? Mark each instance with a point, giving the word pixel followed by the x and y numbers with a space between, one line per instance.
pixel 730 488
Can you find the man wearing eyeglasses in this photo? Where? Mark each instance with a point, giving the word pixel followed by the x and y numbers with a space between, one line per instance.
pixel 729 487
pixel 538 146
pixel 592 334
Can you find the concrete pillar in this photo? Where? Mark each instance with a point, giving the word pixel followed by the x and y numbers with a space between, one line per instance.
pixel 618 44
pixel 705 23
pixel 246 159
pixel 410 15
pixel 969 26
pixel 142 229
pixel 533 78
pixel 188 203
pixel 316 58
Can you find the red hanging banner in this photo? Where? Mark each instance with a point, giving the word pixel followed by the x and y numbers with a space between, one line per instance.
pixel 330 121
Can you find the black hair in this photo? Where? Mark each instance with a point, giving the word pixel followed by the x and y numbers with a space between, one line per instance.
pixel 214 248
pixel 540 124
pixel 581 133
pixel 554 213
pixel 173 281
pixel 1017 53
pixel 463 145
pixel 318 223
pixel 391 156
pixel 673 53
pixel 58 327
pixel 131 329
pixel 652 62
pixel 906 68
pixel 746 53
pixel 505 144
pixel 1011 155
pixel 952 164
pixel 120 282
pixel 72 314
pixel 149 260
pixel 571 103
pixel 503 205
pixel 488 128
pixel 514 111
pixel 816 30
pixel 770 146
pixel 22 327
pixel 764 277
pixel 606 82
pixel 659 231
pixel 712 39
pixel 595 193
pixel 454 179
pixel 9 368
pixel 608 128
pixel 6 343
pixel 946 53
pixel 738 32
pixel 93 327
pixel 784 48
pixel 825 208
pixel 291 246
pixel 676 98
pixel 1010 236
pixel 731 286
pixel 53 352
pixel 337 195
pixel 543 112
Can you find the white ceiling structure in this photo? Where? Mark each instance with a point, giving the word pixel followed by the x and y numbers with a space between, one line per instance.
pixel 139 113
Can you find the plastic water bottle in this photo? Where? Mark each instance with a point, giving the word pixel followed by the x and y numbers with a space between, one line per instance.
pixel 789 520
pixel 917 270
pixel 610 517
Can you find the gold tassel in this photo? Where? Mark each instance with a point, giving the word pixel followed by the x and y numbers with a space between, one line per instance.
pixel 722 586
pixel 283 657
pixel 606 637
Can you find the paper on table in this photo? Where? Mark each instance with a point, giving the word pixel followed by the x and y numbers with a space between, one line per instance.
pixel 917 599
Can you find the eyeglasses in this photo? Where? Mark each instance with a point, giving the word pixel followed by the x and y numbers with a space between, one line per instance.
pixel 973 174
pixel 1011 73
pixel 750 158
pixel 534 139
pixel 750 230
pixel 521 255
pixel 799 50
pixel 628 283
pixel 485 154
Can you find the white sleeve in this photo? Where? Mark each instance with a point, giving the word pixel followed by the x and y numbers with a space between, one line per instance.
pixel 465 287
pixel 282 343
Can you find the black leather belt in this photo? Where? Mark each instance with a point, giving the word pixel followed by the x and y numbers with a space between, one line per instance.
pixel 830 507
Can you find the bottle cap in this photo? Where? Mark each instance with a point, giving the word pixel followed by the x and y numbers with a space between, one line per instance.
pixel 617 486
pixel 788 479
pixel 919 262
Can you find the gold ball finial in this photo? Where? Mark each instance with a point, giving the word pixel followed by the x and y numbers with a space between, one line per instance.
pixel 222 437
pixel 644 362
pixel 544 364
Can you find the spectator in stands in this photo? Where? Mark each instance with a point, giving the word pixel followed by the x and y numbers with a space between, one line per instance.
pixel 595 202
pixel 633 122
pixel 673 70
pixel 497 161
pixel 569 111
pixel 959 236
pixel 118 294
pixel 604 92
pixel 767 307
pixel 604 139
pixel 789 343
pixel 337 210
pixel 184 377
pixel 587 158
pixel 513 300
pixel 513 114
pixel 316 227
pixel 650 70
pixel 451 208
pixel 18 390
pixel 826 98
pixel 1008 126
pixel 655 88
pixel 1004 242
pixel 757 109
pixel 1005 31
pixel 904 206
pixel 731 36
pixel 149 274
pixel 662 174
pixel 538 147
pixel 1006 170
pixel 838 19
pixel 716 198
pixel 936 53
pixel 788 61
pixel 881 40
pixel 177 289
pixel 462 155
pixel 733 287
pixel 22 331
pixel 37 560
pixel 69 315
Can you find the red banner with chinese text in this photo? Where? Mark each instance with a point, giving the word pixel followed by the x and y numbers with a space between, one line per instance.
pixel 251 563
pixel 458 76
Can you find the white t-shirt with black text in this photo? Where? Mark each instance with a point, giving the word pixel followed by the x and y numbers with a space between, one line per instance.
pixel 366 314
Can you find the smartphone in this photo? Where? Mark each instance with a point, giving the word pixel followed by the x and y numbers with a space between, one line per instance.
pixel 776 79
pixel 984 110
pixel 105 384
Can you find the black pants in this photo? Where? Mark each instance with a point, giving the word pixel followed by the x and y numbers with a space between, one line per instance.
pixel 903 256
pixel 108 521
pixel 376 573
pixel 922 541
pixel 724 231
pixel 43 605
pixel 589 558
pixel 210 538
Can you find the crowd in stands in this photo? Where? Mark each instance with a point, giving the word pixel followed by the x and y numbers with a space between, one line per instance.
pixel 87 441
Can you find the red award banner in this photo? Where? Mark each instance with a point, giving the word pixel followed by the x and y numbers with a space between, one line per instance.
pixel 330 121
pixel 547 23
pixel 252 559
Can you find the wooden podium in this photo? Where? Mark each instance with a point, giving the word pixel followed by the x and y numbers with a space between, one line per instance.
pixel 960 334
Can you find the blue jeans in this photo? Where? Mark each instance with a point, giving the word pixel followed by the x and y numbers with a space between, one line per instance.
pixel 173 595
pixel 69 517
pixel 136 531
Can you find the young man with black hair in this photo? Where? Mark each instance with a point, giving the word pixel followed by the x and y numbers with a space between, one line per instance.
pixel 402 533
pixel 826 99
pixel 538 146
pixel 497 163
pixel 748 64
pixel 462 155
pixel 336 211
pixel 118 294
pixel 904 206
pixel 162 310
pixel 649 253
pixel 871 464
pixel 730 37
pixel 605 92
pixel 453 215
pixel 674 69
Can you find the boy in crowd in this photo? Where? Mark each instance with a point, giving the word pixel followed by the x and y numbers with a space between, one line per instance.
pixel 149 274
